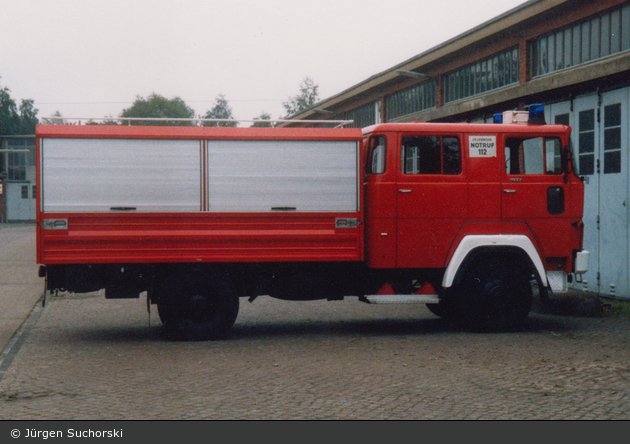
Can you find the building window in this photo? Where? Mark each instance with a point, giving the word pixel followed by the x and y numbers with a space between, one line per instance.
pixel 411 100
pixel 492 73
pixel 612 139
pixel 592 39
pixel 17 166
pixel 365 115
pixel 586 142
pixel 21 155
pixel 562 119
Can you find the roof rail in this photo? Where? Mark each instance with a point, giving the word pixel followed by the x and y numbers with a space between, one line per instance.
pixel 199 122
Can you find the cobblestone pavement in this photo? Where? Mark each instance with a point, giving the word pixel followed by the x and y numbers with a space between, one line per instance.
pixel 20 286
pixel 91 358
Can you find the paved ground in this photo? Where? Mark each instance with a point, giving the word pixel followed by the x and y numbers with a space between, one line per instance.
pixel 20 287
pixel 90 358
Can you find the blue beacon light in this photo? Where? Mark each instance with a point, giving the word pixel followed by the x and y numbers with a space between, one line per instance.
pixel 536 114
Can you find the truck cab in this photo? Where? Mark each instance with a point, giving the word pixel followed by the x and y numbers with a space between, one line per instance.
pixel 475 210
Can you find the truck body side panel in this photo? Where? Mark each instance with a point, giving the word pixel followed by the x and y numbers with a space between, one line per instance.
pixel 100 175
pixel 129 195
pixel 196 238
pixel 263 176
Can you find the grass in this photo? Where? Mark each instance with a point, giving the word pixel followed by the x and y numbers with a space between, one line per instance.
pixel 581 303
pixel 617 307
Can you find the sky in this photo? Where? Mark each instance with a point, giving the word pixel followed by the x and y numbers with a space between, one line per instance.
pixel 93 58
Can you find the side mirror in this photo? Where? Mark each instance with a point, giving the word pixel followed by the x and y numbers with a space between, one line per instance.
pixel 566 158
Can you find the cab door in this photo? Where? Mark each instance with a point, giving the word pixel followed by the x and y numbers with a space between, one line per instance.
pixel 380 201
pixel 534 189
pixel 431 197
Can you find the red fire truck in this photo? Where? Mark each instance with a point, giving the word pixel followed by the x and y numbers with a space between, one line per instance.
pixel 466 218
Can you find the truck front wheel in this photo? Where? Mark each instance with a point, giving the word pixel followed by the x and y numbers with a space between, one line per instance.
pixel 199 309
pixel 495 295
pixel 441 309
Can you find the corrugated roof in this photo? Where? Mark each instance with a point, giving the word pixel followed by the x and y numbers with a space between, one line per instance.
pixel 500 23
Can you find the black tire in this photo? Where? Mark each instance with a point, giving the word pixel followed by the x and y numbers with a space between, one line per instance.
pixel 441 309
pixel 495 295
pixel 446 308
pixel 199 308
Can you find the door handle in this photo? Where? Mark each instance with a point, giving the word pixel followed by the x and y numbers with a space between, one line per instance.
pixel 509 191
pixel 405 191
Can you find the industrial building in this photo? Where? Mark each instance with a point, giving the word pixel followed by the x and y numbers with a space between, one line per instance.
pixel 573 56
pixel 17 179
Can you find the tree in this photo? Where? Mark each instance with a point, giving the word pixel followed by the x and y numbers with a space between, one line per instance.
pixel 157 106
pixel 9 117
pixel 264 120
pixel 13 123
pixel 221 110
pixel 307 97
pixel 56 119
pixel 109 121
pixel 28 117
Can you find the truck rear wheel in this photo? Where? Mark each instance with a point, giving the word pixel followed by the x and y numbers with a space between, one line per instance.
pixel 494 295
pixel 199 309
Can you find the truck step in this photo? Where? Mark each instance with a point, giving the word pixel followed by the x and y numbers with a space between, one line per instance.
pixel 403 298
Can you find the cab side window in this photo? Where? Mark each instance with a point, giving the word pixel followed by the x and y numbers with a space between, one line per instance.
pixel 533 155
pixel 377 155
pixel 431 155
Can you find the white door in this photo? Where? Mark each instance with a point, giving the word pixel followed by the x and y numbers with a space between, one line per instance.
pixel 20 201
pixel 585 139
pixel 600 142
pixel 613 194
